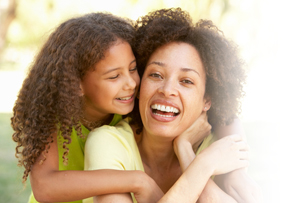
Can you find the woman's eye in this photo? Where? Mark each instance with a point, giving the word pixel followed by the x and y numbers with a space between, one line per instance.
pixel 114 77
pixel 155 75
pixel 186 81
pixel 133 69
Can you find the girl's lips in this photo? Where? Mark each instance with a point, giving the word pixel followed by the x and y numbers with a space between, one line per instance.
pixel 127 99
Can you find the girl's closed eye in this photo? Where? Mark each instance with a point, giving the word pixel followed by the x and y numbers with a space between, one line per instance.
pixel 133 69
pixel 113 77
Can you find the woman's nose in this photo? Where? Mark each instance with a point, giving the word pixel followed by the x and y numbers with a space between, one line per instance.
pixel 168 88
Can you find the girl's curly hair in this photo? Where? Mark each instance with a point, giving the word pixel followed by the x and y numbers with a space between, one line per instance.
pixel 49 100
pixel 225 76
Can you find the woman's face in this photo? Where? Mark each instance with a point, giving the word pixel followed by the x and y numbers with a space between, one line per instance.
pixel 172 90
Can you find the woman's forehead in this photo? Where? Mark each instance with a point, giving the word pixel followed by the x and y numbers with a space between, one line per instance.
pixel 177 54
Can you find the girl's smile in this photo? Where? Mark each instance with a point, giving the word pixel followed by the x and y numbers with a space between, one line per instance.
pixel 112 86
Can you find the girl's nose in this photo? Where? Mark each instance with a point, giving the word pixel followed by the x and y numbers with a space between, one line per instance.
pixel 130 82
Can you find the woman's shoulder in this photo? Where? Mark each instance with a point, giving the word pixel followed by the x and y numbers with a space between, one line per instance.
pixel 120 127
pixel 121 132
pixel 110 147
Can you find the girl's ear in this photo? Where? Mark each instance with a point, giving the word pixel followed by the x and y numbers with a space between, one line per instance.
pixel 207 103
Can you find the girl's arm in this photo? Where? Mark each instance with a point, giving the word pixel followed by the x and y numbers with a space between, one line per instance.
pixel 237 183
pixel 235 127
pixel 51 185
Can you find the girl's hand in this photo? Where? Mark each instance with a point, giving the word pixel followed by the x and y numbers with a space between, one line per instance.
pixel 227 154
pixel 148 191
pixel 195 134
pixel 240 186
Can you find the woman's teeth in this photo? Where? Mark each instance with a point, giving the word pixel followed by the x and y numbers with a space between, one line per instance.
pixel 167 116
pixel 165 108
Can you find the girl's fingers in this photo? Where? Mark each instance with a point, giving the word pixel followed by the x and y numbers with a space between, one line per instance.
pixel 243 163
pixel 244 155
pixel 242 146
pixel 236 137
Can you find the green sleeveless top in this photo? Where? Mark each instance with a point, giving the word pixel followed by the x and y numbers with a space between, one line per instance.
pixel 76 152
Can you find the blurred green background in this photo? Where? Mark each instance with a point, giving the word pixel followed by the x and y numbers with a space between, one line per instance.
pixel 266 32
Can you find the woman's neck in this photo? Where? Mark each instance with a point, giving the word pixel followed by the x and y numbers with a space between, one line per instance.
pixel 159 160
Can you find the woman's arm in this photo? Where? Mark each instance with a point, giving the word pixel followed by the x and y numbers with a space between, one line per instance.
pixel 211 192
pixel 186 154
pixel 221 157
pixel 51 185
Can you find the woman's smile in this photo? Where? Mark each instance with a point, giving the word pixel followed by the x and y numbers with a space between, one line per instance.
pixel 172 89
pixel 164 111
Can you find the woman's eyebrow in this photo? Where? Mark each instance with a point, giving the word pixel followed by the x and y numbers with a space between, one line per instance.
pixel 188 70
pixel 164 65
pixel 157 63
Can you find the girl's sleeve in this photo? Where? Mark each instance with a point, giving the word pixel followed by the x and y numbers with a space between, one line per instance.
pixel 105 148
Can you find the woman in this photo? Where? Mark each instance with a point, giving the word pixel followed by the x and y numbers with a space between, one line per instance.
pixel 186 70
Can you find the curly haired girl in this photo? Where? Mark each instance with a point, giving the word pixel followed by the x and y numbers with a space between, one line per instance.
pixel 84 76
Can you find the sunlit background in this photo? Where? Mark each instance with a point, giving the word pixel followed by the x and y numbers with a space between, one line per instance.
pixel 267 33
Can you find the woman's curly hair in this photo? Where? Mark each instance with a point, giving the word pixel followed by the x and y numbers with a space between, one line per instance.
pixel 49 100
pixel 225 76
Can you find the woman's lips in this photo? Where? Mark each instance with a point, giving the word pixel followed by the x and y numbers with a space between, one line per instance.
pixel 164 113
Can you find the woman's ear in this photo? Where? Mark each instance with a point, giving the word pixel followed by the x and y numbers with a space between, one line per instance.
pixel 81 93
pixel 207 103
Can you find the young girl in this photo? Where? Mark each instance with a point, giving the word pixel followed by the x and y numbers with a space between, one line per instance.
pixel 84 77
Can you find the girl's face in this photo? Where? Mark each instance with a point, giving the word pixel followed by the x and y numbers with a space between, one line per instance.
pixel 112 86
pixel 172 90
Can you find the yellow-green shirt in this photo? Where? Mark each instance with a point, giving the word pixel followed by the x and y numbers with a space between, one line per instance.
pixel 114 147
pixel 76 152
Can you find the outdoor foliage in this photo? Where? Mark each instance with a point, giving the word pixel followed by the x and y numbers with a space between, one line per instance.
pixel 11 187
